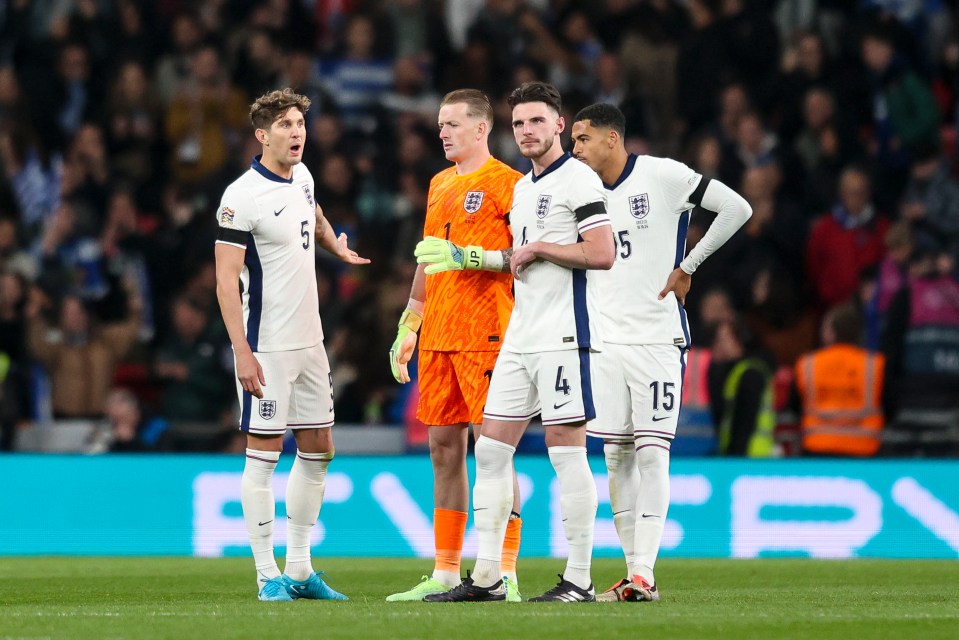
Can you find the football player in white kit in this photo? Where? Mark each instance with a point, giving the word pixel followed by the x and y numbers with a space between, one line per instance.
pixel 269 225
pixel 639 375
pixel 560 230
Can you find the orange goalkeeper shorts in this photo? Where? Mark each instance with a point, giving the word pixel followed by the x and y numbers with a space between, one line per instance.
pixel 453 386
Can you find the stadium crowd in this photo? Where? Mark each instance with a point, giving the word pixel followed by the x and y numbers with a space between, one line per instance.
pixel 121 123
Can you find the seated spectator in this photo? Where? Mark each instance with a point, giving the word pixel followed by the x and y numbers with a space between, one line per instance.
pixel 845 241
pixel 921 344
pixel 840 390
pixel 126 429
pixel 741 394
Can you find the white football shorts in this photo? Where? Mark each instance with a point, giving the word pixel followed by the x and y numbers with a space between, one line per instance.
pixel 555 384
pixel 637 391
pixel 298 393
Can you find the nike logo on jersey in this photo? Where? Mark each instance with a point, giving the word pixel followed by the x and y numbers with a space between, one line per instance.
pixel 267 522
pixel 650 515
pixel 658 418
pixel 560 406
pixel 276 213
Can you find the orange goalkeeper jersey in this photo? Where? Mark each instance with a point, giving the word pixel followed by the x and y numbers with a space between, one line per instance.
pixel 469 310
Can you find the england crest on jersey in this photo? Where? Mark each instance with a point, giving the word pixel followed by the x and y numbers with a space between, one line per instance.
pixel 473 202
pixel 309 196
pixel 267 409
pixel 542 206
pixel 639 205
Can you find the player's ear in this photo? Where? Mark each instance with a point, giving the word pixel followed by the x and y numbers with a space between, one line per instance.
pixel 560 124
pixel 613 138
pixel 483 128
pixel 262 136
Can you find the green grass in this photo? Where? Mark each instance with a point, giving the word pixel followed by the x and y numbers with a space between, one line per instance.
pixel 107 598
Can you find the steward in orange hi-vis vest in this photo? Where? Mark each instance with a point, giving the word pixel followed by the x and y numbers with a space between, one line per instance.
pixel 841 391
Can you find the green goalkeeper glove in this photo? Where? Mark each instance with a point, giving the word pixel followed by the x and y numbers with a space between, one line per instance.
pixel 402 350
pixel 442 255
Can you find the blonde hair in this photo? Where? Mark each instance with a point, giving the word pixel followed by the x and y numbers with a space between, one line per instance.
pixel 477 103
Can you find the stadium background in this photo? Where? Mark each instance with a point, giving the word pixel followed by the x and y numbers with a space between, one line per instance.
pixel 121 123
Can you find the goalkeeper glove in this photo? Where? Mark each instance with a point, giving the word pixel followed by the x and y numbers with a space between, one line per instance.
pixel 402 350
pixel 442 255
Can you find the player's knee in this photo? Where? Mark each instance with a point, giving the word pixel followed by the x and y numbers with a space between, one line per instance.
pixel 619 456
pixel 651 451
pixel 493 457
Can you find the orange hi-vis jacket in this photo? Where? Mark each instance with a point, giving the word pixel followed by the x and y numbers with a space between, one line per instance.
pixel 841 390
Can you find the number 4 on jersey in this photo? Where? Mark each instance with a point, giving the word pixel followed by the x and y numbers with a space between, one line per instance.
pixel 562 384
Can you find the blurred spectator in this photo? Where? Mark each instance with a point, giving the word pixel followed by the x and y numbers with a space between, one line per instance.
pixel 80 354
pixel 921 344
pixel 840 390
pixel 702 67
pixel 204 120
pixel 33 177
pixel 125 428
pixel 931 199
pixel 133 125
pixel 13 257
pixel 845 241
pixel 905 116
pixel 740 393
pixel 194 384
pixel 359 75
pixel 173 66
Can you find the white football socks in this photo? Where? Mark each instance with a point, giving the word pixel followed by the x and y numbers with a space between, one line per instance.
pixel 652 503
pixel 259 510
pixel 578 501
pixel 304 498
pixel 492 502
pixel 623 492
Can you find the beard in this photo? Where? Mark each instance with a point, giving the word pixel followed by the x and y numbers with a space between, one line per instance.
pixel 543 149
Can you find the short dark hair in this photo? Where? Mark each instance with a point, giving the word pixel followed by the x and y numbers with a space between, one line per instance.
pixel 536 91
pixel 846 322
pixel 271 106
pixel 603 116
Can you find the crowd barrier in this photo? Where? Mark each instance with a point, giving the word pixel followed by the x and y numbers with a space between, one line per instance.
pixel 189 505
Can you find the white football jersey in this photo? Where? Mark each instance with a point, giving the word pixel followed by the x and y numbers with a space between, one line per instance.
pixel 650 213
pixel 274 219
pixel 555 307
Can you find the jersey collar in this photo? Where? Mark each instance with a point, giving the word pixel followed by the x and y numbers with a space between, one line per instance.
pixel 557 163
pixel 628 169
pixel 266 173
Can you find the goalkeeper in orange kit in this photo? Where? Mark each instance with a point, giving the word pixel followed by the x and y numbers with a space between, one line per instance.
pixel 459 305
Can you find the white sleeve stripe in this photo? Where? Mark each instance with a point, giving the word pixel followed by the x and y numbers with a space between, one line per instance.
pixel 232 244
pixel 594 222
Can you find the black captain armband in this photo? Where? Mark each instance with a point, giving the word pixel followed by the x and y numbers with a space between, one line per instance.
pixel 233 236
pixel 591 209
pixel 696 197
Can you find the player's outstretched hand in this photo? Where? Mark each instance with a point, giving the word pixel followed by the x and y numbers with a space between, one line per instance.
pixel 250 374
pixel 678 282
pixel 346 254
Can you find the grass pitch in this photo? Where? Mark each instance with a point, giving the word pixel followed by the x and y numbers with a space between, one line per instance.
pixel 65 597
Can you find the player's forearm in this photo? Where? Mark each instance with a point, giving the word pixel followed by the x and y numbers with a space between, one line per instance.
pixel 232 310
pixel 418 290
pixel 596 251
pixel 732 213
pixel 325 236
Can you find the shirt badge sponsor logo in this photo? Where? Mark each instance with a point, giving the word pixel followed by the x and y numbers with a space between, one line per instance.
pixel 542 206
pixel 639 205
pixel 473 201
pixel 308 194
pixel 267 409
pixel 226 215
